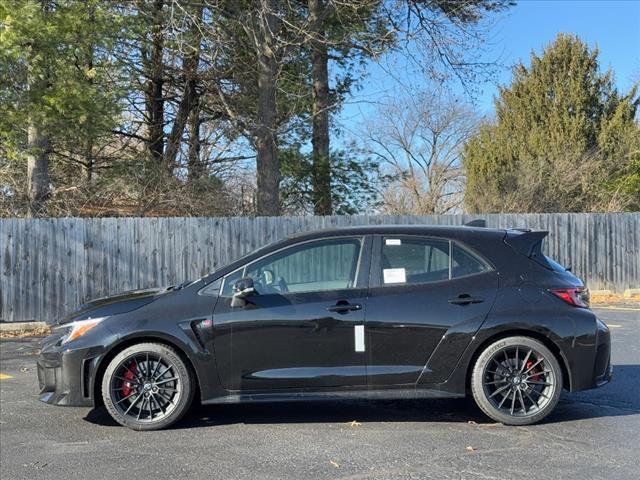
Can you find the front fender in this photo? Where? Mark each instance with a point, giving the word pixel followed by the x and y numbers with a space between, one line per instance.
pixel 180 337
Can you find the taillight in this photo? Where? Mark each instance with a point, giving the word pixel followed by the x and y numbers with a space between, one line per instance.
pixel 578 297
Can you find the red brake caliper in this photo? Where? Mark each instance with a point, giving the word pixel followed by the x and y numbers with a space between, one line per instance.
pixel 129 375
pixel 535 377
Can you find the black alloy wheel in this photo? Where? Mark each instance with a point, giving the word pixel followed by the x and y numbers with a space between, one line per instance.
pixel 147 386
pixel 517 381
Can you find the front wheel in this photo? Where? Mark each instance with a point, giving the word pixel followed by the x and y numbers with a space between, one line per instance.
pixel 516 381
pixel 147 386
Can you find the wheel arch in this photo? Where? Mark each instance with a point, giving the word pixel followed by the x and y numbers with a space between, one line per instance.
pixel 128 342
pixel 545 340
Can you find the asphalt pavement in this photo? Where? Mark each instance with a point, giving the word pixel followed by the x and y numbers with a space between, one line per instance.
pixel 591 435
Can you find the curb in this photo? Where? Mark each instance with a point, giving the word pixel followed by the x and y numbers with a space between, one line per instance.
pixel 21 326
pixel 630 292
pixel 600 292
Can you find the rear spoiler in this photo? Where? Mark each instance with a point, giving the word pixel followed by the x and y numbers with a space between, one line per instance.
pixel 527 242
pixel 476 223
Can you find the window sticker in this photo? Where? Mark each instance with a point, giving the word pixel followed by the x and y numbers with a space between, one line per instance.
pixel 392 241
pixel 394 275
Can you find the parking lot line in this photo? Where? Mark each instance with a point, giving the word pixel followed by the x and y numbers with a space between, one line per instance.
pixel 627 309
pixel 4 376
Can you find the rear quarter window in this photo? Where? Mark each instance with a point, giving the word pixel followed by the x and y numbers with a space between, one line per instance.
pixel 553 265
pixel 466 263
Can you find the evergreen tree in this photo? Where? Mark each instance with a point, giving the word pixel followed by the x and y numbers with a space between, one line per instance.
pixel 563 139
pixel 57 96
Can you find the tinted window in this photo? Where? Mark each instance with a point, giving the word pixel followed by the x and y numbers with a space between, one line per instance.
pixel 212 289
pixel 414 260
pixel 465 263
pixel 230 280
pixel 322 265
pixel 554 265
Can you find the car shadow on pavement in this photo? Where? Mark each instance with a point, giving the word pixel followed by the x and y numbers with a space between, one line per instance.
pixel 618 398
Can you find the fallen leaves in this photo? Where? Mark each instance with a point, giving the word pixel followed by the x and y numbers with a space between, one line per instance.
pixel 483 425
pixel 354 423
pixel 34 332
pixel 334 464
pixel 471 449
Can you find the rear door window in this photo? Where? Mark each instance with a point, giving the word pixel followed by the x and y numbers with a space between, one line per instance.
pixel 406 260
pixel 414 260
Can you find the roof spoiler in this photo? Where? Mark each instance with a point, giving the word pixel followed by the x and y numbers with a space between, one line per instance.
pixel 476 223
pixel 527 243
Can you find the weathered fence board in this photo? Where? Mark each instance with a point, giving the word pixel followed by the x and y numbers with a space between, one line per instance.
pixel 51 265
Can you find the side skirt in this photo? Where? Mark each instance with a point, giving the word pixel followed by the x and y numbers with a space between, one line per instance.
pixel 385 394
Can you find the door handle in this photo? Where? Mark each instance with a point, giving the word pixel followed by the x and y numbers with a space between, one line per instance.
pixel 343 306
pixel 465 299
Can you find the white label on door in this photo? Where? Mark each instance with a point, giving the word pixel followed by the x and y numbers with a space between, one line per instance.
pixel 359 337
pixel 394 275
pixel 392 241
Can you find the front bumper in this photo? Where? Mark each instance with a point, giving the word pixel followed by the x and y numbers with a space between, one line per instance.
pixel 65 376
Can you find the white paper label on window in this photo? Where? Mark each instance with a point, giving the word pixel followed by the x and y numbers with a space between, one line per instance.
pixel 394 275
pixel 392 241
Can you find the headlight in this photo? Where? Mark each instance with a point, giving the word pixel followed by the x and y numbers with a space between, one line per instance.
pixel 77 329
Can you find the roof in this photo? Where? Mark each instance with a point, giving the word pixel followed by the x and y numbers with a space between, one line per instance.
pixel 435 230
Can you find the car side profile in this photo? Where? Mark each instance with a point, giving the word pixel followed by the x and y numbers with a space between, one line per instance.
pixel 372 312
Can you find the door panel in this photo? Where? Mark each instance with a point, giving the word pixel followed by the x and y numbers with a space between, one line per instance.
pixel 406 322
pixel 289 341
pixel 295 339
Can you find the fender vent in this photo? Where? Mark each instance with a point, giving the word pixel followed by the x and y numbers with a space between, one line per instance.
pixel 86 377
pixel 202 331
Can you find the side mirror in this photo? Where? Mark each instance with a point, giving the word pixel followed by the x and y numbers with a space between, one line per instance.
pixel 242 289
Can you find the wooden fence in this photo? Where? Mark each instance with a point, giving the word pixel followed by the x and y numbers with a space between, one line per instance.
pixel 50 266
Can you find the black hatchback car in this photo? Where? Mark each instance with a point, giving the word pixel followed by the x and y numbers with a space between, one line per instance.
pixel 376 311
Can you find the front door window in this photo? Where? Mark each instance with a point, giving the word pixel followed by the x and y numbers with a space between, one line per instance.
pixel 310 267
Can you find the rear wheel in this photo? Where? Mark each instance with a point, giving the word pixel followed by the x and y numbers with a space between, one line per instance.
pixel 517 381
pixel 147 386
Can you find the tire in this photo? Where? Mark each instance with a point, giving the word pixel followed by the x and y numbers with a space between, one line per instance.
pixel 516 381
pixel 148 386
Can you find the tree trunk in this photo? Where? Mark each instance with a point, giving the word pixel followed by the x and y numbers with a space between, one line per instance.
pixel 89 160
pixel 267 161
pixel 189 96
pixel 38 146
pixel 37 169
pixel 154 71
pixel 88 124
pixel 195 167
pixel 321 177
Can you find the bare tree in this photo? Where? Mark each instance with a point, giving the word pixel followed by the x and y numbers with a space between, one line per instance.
pixel 189 100
pixel 420 138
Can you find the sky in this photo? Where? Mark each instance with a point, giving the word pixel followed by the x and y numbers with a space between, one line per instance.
pixel 613 26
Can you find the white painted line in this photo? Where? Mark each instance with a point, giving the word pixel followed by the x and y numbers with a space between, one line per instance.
pixel 626 309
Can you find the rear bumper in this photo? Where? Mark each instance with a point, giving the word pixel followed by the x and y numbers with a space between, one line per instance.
pixel 65 377
pixel 602 370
